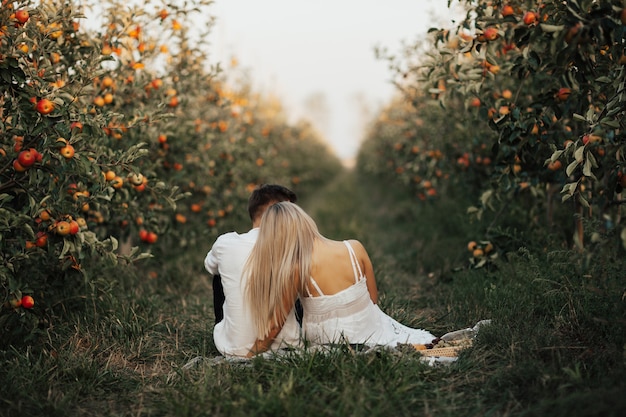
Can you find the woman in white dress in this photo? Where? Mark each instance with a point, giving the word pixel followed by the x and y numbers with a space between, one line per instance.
pixel 333 279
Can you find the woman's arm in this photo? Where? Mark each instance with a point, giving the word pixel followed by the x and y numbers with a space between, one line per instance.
pixel 263 345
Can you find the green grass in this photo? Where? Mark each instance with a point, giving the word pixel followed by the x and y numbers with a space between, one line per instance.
pixel 556 346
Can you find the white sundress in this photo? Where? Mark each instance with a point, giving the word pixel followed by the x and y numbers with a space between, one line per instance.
pixel 350 316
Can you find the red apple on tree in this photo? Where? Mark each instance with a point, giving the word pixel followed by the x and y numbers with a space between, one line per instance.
pixel 28 302
pixel 22 16
pixel 42 239
pixel 621 179
pixel 490 33
pixel 563 94
pixel 18 167
pixel 67 151
pixel 508 10
pixel 148 237
pixel 44 106
pixel 474 102
pixel 591 138
pixel 117 182
pixel 27 158
pixel 74 227
pixel 38 155
pixel 82 223
pixel 76 125
pixel 530 18
pixel 151 237
pixel 62 228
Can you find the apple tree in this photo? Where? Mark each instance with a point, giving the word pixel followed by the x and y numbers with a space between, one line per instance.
pixel 547 77
pixel 64 174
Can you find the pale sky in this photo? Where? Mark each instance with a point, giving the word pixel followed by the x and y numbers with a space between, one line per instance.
pixel 300 50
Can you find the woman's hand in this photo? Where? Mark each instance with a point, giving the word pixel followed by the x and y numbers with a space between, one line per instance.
pixel 263 345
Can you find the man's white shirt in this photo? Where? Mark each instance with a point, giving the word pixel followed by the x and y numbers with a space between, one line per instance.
pixel 235 334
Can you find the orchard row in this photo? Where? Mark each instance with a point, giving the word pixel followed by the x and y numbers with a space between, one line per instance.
pixel 520 103
pixel 120 139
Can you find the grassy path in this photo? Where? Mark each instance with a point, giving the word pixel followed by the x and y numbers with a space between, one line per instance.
pixel 413 245
pixel 123 354
pixel 350 209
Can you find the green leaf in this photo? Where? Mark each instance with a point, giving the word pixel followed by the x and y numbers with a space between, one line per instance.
pixel 555 155
pixel 90 237
pixel 612 123
pixel 143 255
pixel 67 247
pixel 569 6
pixel 578 154
pixel 486 197
pixel 29 231
pixel 551 28
pixel 587 168
pixel 114 243
pixel 592 159
pixel 5 198
pixel 604 80
pixel 571 167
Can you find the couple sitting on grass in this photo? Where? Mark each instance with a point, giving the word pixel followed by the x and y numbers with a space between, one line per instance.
pixel 261 277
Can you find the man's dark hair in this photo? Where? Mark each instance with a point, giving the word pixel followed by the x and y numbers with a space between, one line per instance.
pixel 265 194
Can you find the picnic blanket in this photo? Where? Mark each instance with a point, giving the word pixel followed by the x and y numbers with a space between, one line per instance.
pixel 432 356
pixel 443 350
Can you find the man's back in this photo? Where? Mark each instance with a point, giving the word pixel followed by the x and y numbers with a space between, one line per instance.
pixel 235 334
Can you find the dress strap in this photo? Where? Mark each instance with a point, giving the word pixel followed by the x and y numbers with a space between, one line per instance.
pixel 317 287
pixel 356 268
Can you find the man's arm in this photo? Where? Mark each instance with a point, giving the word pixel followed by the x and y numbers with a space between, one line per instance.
pixel 211 262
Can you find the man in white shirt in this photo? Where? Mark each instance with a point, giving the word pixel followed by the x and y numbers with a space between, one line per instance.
pixel 234 333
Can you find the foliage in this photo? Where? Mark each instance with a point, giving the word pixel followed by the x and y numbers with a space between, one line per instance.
pixel 120 142
pixel 548 79
pixel 556 345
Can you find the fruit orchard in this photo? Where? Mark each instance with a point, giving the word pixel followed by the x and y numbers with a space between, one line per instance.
pixel 521 105
pixel 122 141
pixel 122 144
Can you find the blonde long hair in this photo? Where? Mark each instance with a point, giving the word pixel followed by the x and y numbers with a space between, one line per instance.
pixel 279 266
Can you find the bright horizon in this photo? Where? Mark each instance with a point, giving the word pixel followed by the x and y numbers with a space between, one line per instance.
pixel 318 57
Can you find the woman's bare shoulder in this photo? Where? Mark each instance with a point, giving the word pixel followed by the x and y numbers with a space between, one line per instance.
pixel 339 246
pixel 355 243
pixel 336 245
pixel 358 247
